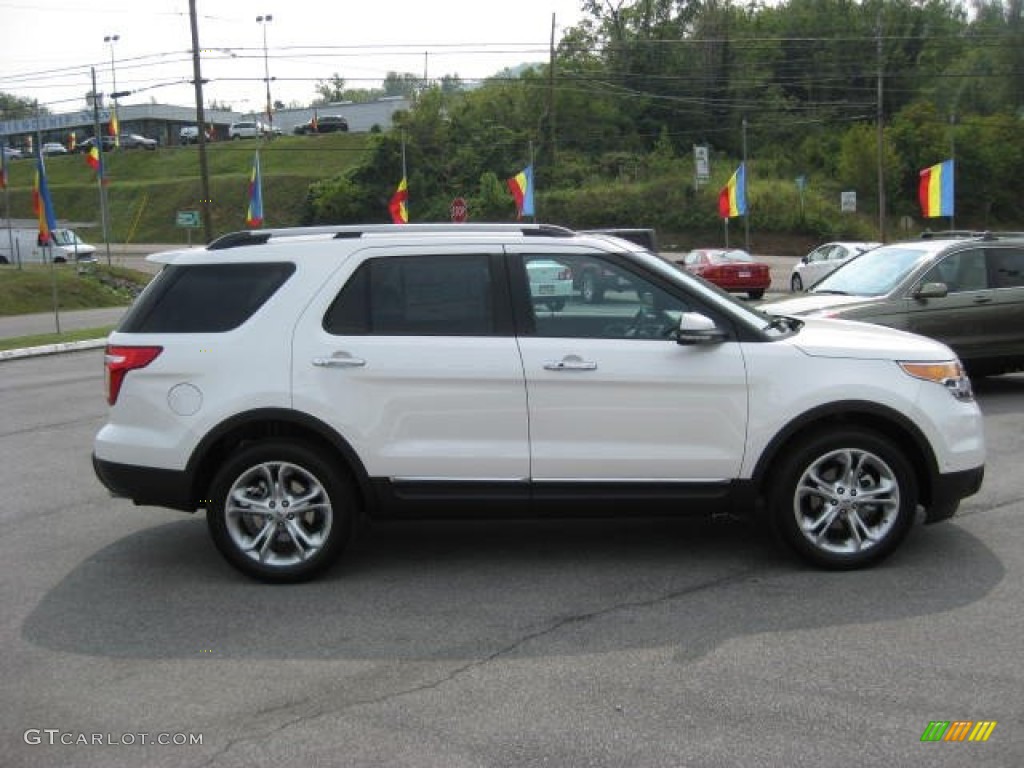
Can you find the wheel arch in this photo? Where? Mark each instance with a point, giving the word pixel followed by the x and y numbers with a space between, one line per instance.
pixel 878 418
pixel 263 423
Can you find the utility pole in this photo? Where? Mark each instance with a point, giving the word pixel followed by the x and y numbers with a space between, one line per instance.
pixel 98 139
pixel 881 135
pixel 204 170
pixel 746 173
pixel 551 93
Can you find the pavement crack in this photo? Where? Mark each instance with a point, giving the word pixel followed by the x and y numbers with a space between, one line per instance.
pixel 462 669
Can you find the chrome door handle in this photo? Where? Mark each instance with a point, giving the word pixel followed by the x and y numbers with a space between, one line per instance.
pixel 339 361
pixel 570 363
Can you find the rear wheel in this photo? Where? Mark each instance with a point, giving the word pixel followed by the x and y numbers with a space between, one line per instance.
pixel 755 295
pixel 591 288
pixel 279 512
pixel 844 498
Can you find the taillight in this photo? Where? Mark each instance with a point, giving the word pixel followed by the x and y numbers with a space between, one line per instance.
pixel 119 360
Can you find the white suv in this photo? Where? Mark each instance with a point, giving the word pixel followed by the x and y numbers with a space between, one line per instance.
pixel 290 382
pixel 248 129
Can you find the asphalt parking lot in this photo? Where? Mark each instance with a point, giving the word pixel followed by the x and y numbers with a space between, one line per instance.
pixel 587 643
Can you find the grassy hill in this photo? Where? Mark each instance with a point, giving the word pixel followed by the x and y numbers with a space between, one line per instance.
pixel 147 189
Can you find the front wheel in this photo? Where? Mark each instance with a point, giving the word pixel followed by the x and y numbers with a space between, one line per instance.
pixel 279 512
pixel 755 295
pixel 844 498
pixel 796 284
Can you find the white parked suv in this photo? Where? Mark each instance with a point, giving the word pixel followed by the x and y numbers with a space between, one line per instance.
pixel 247 129
pixel 290 382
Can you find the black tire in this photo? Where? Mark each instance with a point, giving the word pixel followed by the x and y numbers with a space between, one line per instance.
pixel 796 284
pixel 591 288
pixel 555 305
pixel 804 503
pixel 755 295
pixel 244 507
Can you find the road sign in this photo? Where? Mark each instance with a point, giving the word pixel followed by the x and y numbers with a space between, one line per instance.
pixel 848 202
pixel 188 219
pixel 459 210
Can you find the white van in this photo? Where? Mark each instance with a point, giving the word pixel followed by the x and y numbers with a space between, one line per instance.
pixel 21 244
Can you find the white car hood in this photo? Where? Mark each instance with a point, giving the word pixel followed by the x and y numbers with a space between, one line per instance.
pixel 823 337
pixel 811 302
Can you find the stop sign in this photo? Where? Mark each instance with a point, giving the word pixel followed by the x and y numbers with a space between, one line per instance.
pixel 459 210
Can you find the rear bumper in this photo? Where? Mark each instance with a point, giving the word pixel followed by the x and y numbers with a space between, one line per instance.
pixel 949 489
pixel 146 485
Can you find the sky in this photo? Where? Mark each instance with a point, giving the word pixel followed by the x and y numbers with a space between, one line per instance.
pixel 49 46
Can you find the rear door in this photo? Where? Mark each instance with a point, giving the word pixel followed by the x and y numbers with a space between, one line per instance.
pixel 411 358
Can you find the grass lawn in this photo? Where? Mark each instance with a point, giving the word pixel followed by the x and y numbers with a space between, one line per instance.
pixel 43 339
pixel 30 289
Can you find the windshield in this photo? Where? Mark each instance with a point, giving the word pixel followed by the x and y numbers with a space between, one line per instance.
pixel 65 237
pixel 872 273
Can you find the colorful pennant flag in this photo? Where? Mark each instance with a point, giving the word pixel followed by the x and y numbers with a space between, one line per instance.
pixel 115 127
pixel 732 200
pixel 3 167
pixel 521 187
pixel 254 215
pixel 936 190
pixel 314 124
pixel 95 161
pixel 399 205
pixel 42 204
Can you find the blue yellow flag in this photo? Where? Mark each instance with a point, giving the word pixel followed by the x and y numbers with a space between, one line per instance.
pixel 254 215
pixel 521 187
pixel 935 190
pixel 43 204
pixel 732 200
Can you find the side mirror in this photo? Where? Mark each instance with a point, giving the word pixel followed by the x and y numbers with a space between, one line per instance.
pixel 805 259
pixel 695 328
pixel 931 291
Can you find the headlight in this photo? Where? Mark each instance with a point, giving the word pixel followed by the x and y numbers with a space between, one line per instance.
pixel 948 373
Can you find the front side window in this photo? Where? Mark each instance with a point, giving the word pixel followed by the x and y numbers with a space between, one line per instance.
pixel 442 295
pixel 630 306
pixel 962 271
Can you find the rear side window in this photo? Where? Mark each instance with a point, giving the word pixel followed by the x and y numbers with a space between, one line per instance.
pixel 444 295
pixel 207 298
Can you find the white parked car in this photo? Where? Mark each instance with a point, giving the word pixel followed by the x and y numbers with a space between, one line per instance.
pixel 550 283
pixel 824 260
pixel 291 382
pixel 54 148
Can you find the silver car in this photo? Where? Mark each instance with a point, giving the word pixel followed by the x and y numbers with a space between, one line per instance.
pixel 824 260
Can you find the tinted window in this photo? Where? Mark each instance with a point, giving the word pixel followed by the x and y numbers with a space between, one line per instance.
pixel 208 298
pixel 416 296
pixel 1007 267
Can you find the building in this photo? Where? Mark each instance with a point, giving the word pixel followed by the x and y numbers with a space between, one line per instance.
pixel 164 122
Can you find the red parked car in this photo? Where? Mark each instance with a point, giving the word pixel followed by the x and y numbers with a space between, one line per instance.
pixel 732 270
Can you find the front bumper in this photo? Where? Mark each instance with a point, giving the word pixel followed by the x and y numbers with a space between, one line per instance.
pixel 949 489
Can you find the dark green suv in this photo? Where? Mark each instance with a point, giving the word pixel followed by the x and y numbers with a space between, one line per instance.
pixel 966 290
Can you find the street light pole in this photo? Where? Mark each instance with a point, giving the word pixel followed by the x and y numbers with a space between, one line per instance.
pixel 116 121
pixel 263 21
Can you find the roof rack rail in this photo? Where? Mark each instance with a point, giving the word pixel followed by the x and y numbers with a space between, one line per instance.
pixel 985 234
pixel 344 231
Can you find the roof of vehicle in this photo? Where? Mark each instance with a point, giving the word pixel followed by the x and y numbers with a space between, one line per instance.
pixel 404 232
